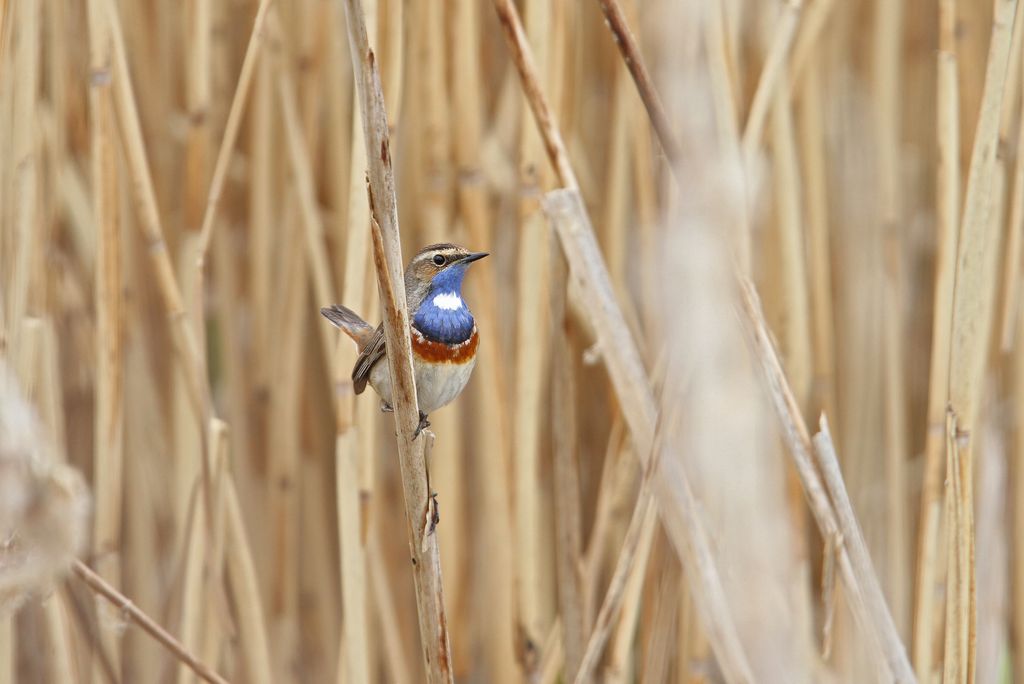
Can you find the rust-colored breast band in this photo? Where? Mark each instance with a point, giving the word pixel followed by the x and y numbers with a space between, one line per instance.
pixel 439 352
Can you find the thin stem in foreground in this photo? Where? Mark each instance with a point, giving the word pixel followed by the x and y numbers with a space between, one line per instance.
pixel 148 624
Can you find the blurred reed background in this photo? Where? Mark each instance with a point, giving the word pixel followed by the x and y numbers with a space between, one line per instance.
pixel 180 193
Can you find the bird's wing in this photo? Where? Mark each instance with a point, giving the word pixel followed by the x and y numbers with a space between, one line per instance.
pixel 368 357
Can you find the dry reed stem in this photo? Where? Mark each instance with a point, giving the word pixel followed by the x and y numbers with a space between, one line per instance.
pixel 61 640
pixel 350 511
pixel 788 410
pixel 197 546
pixel 676 505
pixel 642 522
pixel 397 664
pixel 298 156
pixel 284 453
pixel 812 147
pixel 1017 499
pixel 388 261
pixel 956 658
pixel 532 361
pixel 886 85
pixel 626 42
pixel 974 298
pixel 639 408
pixel 617 347
pixel 130 612
pixel 241 574
pixel 203 561
pixel 197 76
pixel 353 560
pixel 1015 230
pixel 774 66
pixel 854 551
pixel 795 335
pixel 616 473
pixel 568 525
pixel 108 468
pixel 872 614
pixel 468 109
pixel 25 170
pixel 810 30
pixel 929 565
pixel 215 621
pixel 553 657
pixel 134 148
pixel 231 129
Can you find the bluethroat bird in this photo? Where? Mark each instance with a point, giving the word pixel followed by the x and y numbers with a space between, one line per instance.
pixel 444 334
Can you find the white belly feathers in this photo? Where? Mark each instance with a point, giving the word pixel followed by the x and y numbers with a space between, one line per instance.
pixel 437 384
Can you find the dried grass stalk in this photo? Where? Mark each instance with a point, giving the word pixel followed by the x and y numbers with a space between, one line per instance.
pixel 387 255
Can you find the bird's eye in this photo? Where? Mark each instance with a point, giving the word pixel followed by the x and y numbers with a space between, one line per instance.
pixel 439 259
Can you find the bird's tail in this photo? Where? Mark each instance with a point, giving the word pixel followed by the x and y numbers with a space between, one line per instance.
pixel 349 322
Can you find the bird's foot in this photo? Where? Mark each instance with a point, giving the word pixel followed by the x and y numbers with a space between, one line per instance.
pixel 424 424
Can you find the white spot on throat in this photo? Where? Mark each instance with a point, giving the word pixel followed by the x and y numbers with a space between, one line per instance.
pixel 449 301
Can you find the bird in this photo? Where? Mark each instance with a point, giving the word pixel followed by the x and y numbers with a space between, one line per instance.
pixel 443 332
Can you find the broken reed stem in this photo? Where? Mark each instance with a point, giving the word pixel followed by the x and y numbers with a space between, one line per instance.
pixel 387 256
pixel 619 352
pixel 877 625
pixel 787 409
pixel 622 360
pixel 150 626
pixel 855 548
pixel 677 507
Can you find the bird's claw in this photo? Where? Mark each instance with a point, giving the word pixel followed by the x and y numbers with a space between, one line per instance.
pixel 424 424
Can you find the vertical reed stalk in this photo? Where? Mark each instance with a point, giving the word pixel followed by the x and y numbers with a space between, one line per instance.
pixel 532 360
pixel 973 307
pixel 351 514
pixel 1017 505
pixel 109 456
pixel 566 476
pixel 388 261
pixel 886 84
pixel 929 563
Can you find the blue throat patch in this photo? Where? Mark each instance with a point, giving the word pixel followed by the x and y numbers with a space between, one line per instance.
pixel 445 325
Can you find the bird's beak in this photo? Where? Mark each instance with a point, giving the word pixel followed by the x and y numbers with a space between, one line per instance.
pixel 475 256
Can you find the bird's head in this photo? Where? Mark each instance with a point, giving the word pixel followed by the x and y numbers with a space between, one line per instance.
pixel 438 270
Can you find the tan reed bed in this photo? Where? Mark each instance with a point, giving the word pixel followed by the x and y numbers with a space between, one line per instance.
pixel 712 227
